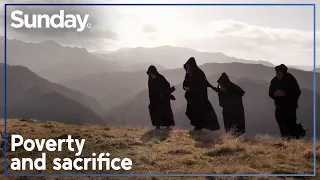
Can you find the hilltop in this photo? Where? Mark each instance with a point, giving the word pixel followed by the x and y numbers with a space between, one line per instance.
pixel 173 151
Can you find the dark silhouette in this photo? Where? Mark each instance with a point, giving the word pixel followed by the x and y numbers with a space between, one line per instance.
pixel 285 92
pixel 230 99
pixel 199 109
pixel 160 96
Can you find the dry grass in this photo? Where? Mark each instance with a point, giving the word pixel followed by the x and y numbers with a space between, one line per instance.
pixel 176 151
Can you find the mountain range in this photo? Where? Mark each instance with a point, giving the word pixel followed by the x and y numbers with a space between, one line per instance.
pixel 170 57
pixel 79 87
pixel 32 97
pixel 305 68
pixel 54 62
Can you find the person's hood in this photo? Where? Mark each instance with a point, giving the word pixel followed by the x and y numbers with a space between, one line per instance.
pixel 282 68
pixel 152 69
pixel 224 79
pixel 192 63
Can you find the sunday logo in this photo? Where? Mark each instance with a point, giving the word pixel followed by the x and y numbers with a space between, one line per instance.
pixel 64 21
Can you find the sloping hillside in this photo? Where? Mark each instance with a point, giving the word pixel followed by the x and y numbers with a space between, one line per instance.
pixel 30 96
pixel 110 89
pixel 184 152
pixel 54 62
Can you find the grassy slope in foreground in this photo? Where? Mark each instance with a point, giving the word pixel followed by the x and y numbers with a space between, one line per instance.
pixel 177 151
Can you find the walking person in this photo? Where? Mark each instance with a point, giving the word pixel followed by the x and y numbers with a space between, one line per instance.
pixel 230 99
pixel 160 96
pixel 285 91
pixel 199 109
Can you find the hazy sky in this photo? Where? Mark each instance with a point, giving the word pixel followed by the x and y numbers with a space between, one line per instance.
pixel 277 34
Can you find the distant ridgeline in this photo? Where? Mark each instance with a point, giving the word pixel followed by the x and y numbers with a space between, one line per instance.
pixel 78 87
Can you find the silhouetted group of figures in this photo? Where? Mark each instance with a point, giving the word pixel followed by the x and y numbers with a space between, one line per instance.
pixel 284 90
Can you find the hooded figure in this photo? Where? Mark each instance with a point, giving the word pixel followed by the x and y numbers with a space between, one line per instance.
pixel 285 91
pixel 230 99
pixel 160 96
pixel 199 109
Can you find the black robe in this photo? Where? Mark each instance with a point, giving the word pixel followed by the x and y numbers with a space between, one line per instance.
pixel 286 106
pixel 289 85
pixel 160 96
pixel 231 101
pixel 199 109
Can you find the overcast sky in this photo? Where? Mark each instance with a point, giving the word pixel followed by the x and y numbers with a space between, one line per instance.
pixel 276 34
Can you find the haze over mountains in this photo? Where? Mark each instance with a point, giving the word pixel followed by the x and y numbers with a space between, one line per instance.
pixel 75 86
pixel 114 88
pixel 54 62
pixel 30 96
pixel 305 68
pixel 170 57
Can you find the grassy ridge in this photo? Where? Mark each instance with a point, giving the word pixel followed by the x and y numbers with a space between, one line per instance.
pixel 172 151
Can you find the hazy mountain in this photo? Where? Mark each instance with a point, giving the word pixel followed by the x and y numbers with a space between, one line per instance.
pixel 304 68
pixel 259 108
pixel 140 67
pixel 170 57
pixel 55 62
pixel 102 52
pixel 111 89
pixel 30 96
